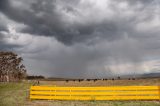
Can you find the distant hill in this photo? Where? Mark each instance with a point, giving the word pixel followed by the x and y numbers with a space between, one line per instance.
pixel 151 75
pixel 145 75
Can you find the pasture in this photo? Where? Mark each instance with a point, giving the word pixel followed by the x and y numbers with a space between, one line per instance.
pixel 16 94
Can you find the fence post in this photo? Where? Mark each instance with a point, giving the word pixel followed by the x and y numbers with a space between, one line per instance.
pixel 70 93
pixel 137 95
pixel 55 92
pixel 159 93
pixel 50 94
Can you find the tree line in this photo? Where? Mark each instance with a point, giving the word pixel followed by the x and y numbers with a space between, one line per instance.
pixel 32 77
pixel 11 67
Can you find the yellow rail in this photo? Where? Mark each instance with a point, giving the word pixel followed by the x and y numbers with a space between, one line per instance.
pixel 96 93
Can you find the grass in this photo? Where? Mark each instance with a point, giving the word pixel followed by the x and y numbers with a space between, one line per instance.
pixel 94 103
pixel 15 94
pixel 153 81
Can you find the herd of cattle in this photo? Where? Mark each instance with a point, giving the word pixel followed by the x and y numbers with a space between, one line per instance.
pixel 79 80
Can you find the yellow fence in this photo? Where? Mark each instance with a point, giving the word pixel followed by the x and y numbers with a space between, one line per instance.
pixel 96 93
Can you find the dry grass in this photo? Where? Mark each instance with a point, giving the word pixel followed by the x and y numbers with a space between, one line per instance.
pixel 14 94
pixel 153 81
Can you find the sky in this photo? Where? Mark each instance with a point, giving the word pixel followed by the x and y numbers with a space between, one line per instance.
pixel 82 38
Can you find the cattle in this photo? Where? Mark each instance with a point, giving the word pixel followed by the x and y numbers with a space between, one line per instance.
pixel 67 80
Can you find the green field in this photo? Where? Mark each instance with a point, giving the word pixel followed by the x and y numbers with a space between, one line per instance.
pixel 16 94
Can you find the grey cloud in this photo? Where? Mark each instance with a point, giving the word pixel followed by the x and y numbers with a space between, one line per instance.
pixel 91 61
pixel 43 18
pixel 92 39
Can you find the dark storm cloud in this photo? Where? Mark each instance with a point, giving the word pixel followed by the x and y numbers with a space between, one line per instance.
pixel 95 37
pixel 43 17
pixel 48 24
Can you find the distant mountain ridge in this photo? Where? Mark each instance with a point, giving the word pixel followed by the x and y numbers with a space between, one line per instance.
pixel 145 75
pixel 150 75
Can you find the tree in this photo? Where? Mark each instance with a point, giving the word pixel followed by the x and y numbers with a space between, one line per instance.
pixel 11 67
